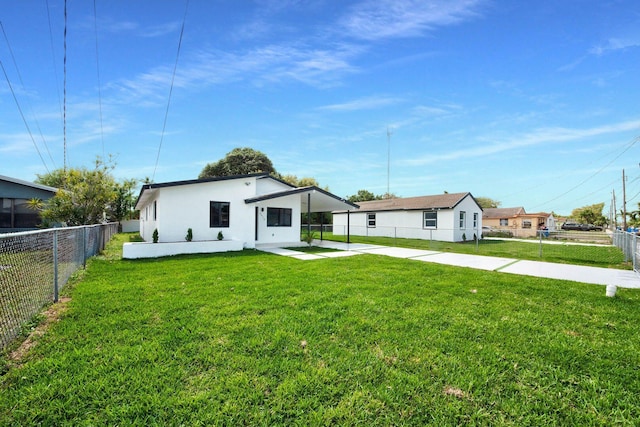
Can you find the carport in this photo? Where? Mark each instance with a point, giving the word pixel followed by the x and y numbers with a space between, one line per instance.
pixel 312 199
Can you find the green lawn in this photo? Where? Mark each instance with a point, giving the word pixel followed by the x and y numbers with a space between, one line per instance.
pixel 596 256
pixel 250 338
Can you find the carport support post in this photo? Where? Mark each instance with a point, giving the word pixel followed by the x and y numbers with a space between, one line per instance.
pixel 348 226
pixel 309 215
pixel 321 224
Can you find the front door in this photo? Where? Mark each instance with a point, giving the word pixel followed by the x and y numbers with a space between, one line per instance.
pixel 257 216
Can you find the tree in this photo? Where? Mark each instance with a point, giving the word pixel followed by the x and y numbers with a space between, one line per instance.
pixel 239 161
pixel 301 182
pixel 83 197
pixel 366 195
pixel 123 205
pixel 487 203
pixel 362 196
pixel 590 214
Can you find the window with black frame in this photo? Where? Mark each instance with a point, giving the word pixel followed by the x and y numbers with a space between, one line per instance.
pixel 219 214
pixel 279 217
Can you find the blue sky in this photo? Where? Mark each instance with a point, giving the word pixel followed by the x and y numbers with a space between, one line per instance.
pixel 533 104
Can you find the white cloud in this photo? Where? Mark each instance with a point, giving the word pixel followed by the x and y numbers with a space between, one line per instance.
pixel 614 44
pixel 377 19
pixel 131 27
pixel 537 137
pixel 366 103
pixel 269 64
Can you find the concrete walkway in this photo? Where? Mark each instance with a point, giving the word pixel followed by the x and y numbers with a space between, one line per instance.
pixel 576 273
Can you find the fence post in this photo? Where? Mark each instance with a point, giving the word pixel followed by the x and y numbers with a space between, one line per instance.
pixel 84 248
pixel 55 265
pixel 540 251
pixel 633 251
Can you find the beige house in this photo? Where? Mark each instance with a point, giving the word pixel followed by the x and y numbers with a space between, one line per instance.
pixel 517 221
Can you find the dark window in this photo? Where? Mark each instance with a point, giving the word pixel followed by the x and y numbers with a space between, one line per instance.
pixel 219 214
pixel 463 219
pixel 16 213
pixel 24 216
pixel 504 222
pixel 155 210
pixel 6 209
pixel 371 220
pixel 431 219
pixel 278 217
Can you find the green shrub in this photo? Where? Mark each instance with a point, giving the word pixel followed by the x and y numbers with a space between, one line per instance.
pixel 308 236
pixel 155 236
pixel 220 235
pixel 189 236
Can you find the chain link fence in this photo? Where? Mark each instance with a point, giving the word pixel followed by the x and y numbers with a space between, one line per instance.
pixel 35 266
pixel 628 244
pixel 581 247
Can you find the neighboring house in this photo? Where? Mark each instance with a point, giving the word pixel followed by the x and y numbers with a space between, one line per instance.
pixel 15 213
pixel 255 209
pixel 446 217
pixel 517 221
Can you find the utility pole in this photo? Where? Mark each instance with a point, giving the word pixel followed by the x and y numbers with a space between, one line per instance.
pixel 614 220
pixel 388 159
pixel 624 203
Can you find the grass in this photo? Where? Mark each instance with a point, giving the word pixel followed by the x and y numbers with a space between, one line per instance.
pixel 596 256
pixel 249 338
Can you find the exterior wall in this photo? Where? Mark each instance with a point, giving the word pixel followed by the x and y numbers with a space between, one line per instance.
pixel 13 197
pixel 151 250
pixel 516 224
pixel 130 226
pixel 268 234
pixel 147 222
pixel 409 223
pixel 469 206
pixel 188 206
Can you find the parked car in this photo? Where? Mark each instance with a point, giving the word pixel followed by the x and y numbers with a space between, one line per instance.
pixel 574 226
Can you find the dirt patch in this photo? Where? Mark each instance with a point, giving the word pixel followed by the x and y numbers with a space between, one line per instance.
pixel 454 391
pixel 51 315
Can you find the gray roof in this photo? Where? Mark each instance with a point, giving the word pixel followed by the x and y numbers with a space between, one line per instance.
pixel 321 200
pixel 28 184
pixel 502 212
pixel 438 201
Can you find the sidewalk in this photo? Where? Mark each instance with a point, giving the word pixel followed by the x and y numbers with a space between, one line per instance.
pixel 576 273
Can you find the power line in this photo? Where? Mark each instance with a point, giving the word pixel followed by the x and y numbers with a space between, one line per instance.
pixel 35 118
pixel 22 115
pixel 630 144
pixel 53 60
pixel 173 76
pixel 95 25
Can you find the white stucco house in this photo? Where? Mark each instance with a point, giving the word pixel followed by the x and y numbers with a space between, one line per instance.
pixel 249 210
pixel 446 217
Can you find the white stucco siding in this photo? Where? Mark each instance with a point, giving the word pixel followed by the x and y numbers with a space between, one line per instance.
pixel 267 186
pixel 469 206
pixel 188 206
pixel 272 234
pixel 182 207
pixel 410 223
pixel 147 221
